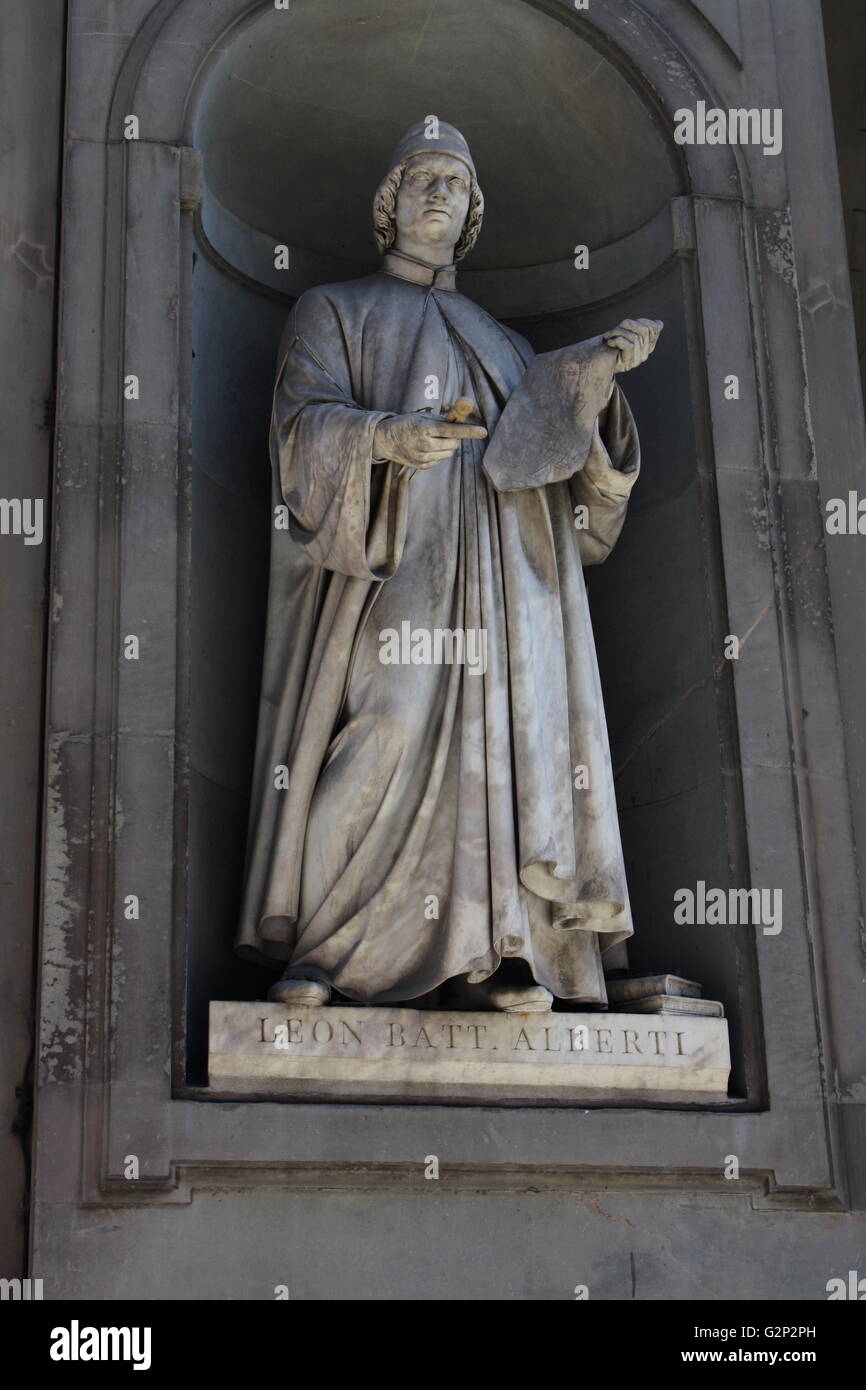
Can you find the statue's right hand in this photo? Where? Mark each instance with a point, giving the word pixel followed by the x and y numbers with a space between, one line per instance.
pixel 421 440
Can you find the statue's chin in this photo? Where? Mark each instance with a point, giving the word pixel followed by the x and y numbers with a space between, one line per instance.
pixel 435 236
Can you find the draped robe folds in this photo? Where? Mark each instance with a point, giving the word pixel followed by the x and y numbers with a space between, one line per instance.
pixel 431 822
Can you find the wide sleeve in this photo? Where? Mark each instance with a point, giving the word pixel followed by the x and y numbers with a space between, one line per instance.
pixel 600 491
pixel 348 512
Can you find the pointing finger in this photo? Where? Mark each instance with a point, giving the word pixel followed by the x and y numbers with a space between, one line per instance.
pixel 444 430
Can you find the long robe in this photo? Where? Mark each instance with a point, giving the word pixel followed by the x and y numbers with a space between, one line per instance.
pixel 437 818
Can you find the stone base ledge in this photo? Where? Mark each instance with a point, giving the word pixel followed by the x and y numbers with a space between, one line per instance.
pixel 354 1053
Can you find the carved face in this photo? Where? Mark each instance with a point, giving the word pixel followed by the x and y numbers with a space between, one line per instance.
pixel 432 202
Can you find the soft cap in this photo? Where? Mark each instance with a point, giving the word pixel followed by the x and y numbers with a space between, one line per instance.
pixel 449 141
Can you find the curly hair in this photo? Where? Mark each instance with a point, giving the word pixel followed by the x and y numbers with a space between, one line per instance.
pixel 385 219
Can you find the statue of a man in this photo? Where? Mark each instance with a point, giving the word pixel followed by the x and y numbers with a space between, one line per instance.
pixel 433 798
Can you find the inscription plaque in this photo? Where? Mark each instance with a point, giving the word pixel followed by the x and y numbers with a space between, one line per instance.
pixel 390 1053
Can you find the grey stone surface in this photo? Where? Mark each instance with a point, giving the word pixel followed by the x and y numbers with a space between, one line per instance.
pixel 759 293
pixel 843 20
pixel 384 1237
pixel 417 1054
pixel 30 112
pixel 621 991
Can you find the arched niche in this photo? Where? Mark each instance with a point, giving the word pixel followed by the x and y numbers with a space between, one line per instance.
pixel 295 122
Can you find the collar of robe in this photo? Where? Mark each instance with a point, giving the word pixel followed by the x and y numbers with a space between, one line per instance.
pixel 405 267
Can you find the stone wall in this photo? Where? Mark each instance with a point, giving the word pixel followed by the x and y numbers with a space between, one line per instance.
pixel 144 1185
pixel 31 97
pixel 844 24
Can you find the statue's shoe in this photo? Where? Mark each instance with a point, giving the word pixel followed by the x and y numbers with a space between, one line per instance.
pixel 306 994
pixel 528 999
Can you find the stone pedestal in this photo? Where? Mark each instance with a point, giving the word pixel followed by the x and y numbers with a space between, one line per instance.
pixel 350 1052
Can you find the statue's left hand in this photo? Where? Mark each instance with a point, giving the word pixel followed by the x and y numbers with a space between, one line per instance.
pixel 634 340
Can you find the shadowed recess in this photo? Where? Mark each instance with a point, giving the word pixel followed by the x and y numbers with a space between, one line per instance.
pixel 303 111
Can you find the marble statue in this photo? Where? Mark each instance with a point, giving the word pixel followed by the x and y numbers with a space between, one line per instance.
pixel 433 812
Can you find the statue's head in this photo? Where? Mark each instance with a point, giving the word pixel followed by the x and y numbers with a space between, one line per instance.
pixel 429 204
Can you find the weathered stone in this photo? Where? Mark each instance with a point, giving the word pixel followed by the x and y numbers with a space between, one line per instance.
pixel 363 1053
pixel 676 1004
pixel 727 771
pixel 643 986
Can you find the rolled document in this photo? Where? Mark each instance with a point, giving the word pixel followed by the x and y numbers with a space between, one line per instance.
pixel 545 432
